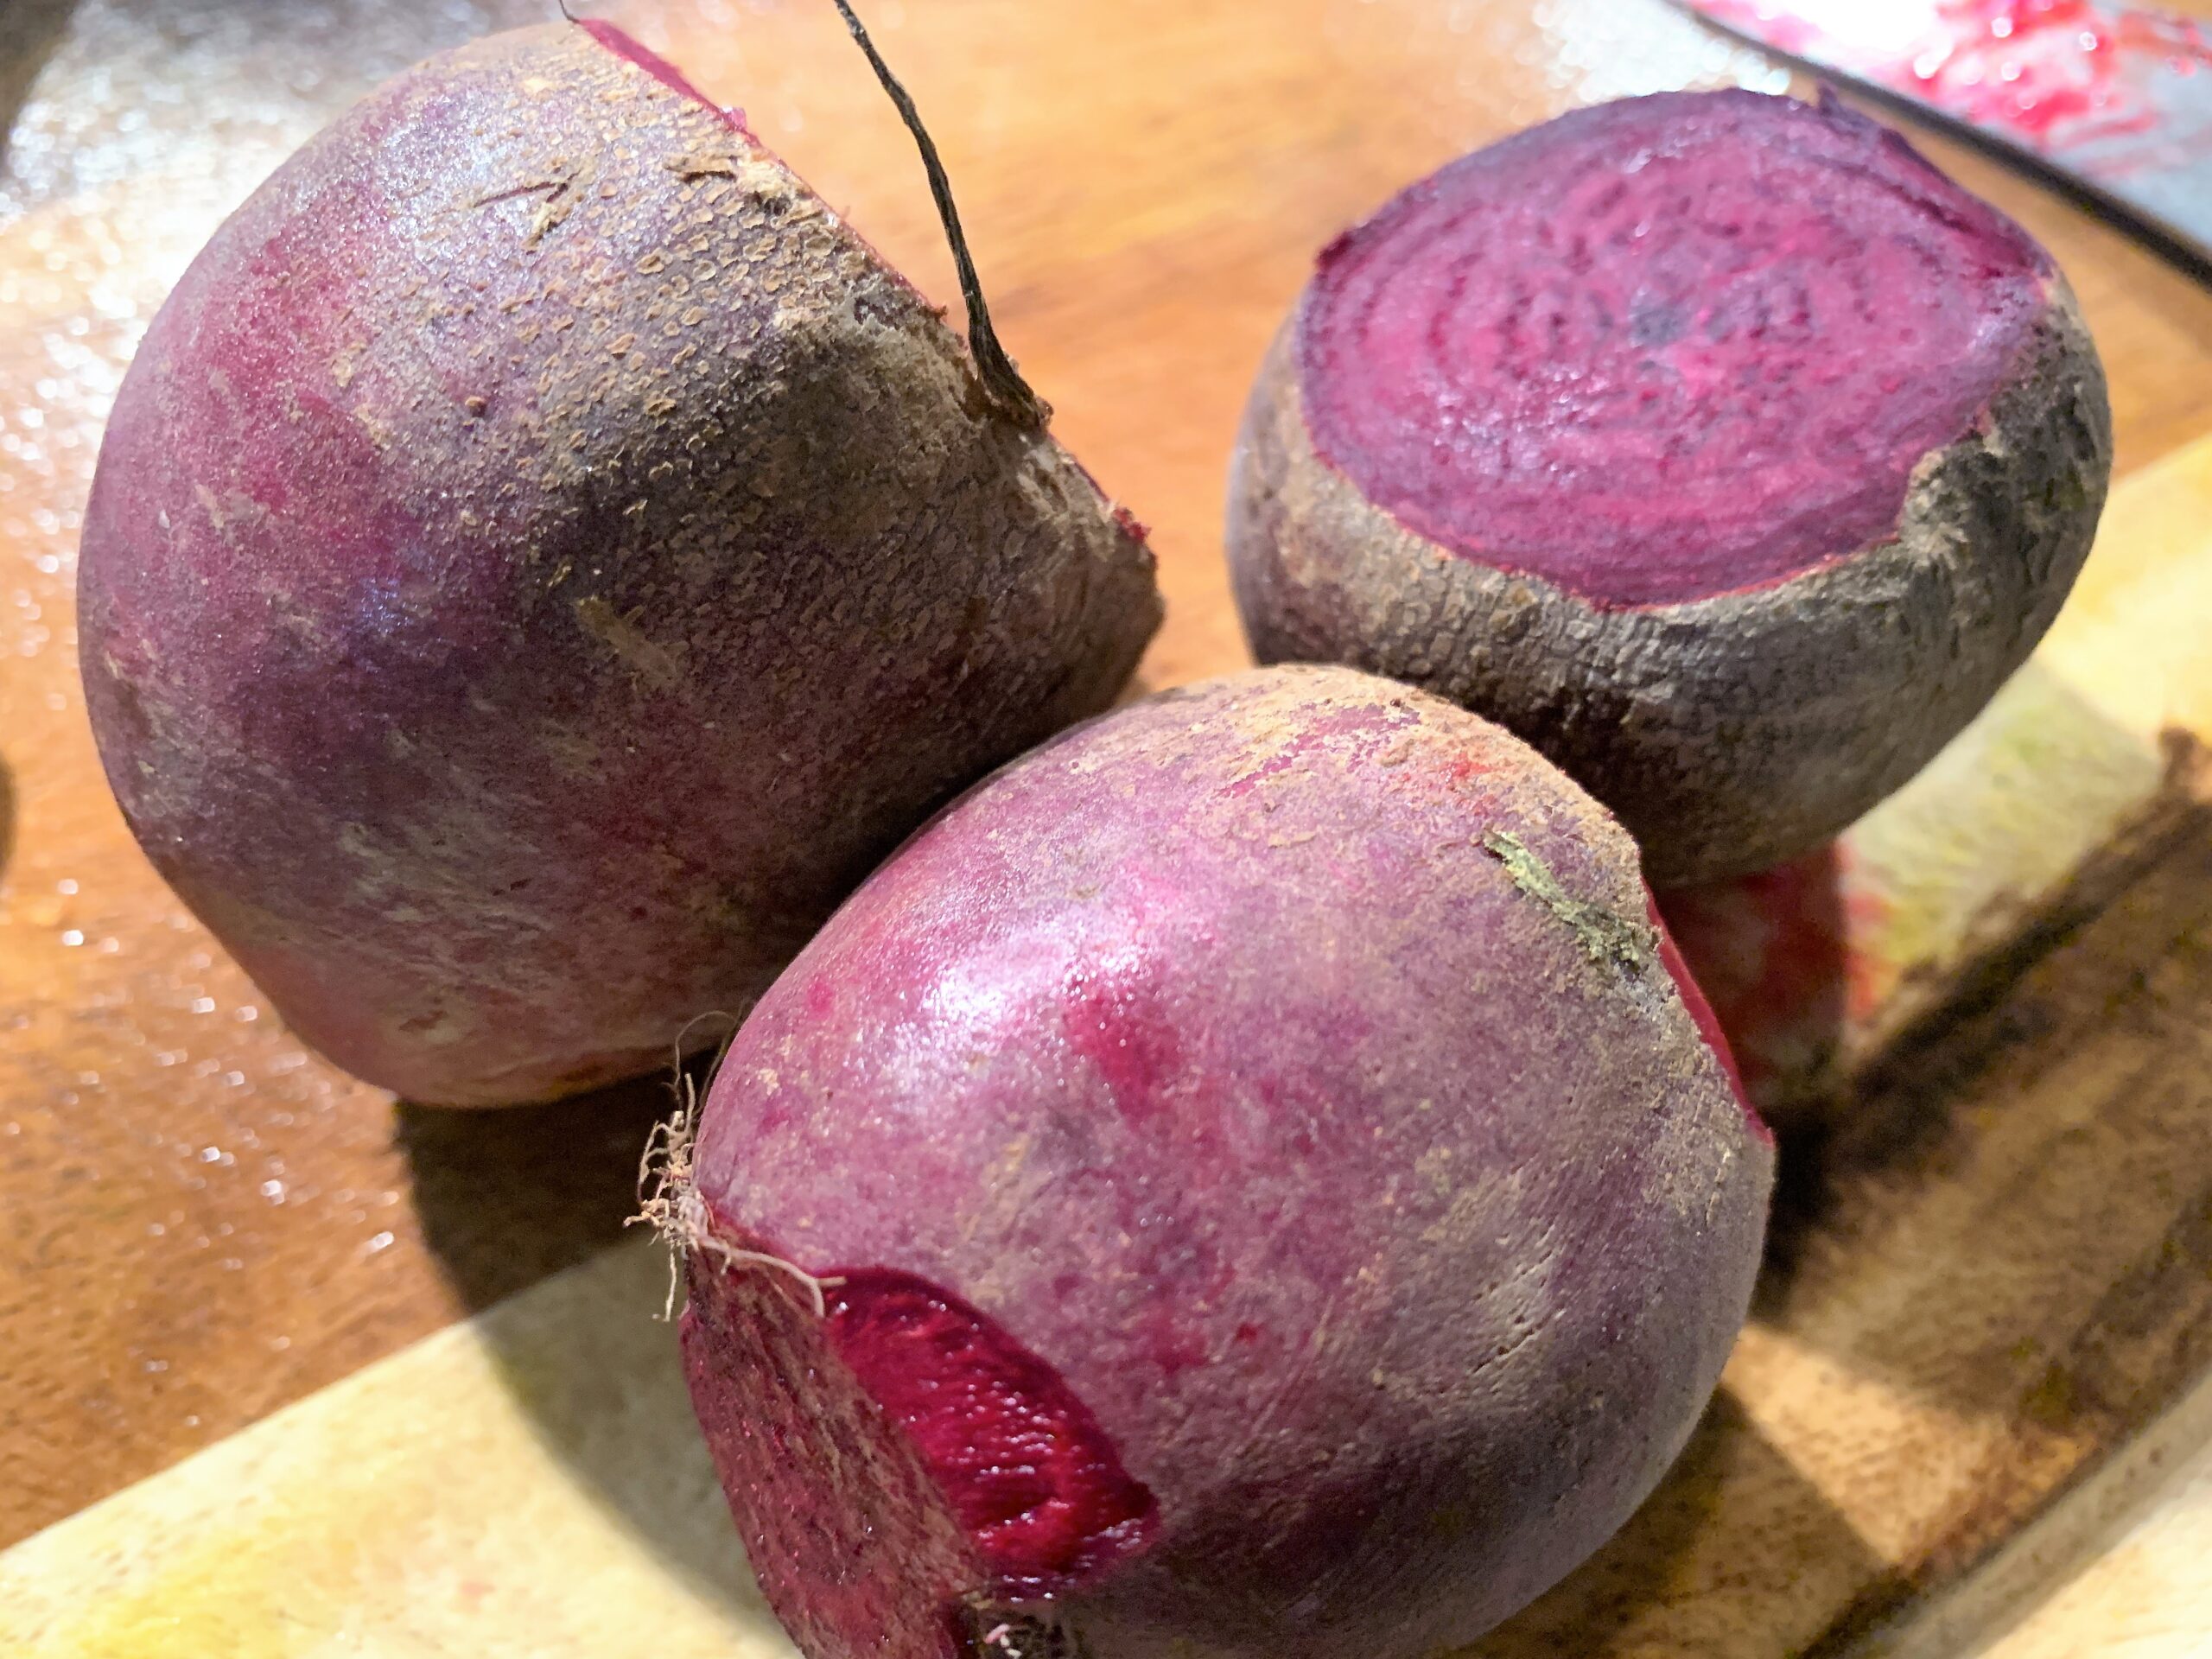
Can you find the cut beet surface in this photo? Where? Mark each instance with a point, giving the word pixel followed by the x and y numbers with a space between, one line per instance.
pixel 1032 1478
pixel 899 1462
pixel 1780 956
pixel 623 45
pixel 1716 444
pixel 854 1546
pixel 1664 348
pixel 1701 1014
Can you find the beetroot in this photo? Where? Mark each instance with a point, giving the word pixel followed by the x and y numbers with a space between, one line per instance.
pixel 1267 1189
pixel 542 558
pixel 1715 444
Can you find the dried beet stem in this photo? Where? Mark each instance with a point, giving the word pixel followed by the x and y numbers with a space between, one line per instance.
pixel 1009 393
pixel 1604 936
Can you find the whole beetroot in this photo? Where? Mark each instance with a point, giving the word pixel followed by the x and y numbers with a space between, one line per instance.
pixel 542 558
pixel 1715 444
pixel 1267 1192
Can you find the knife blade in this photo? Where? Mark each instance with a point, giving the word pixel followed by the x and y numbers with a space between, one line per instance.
pixel 2114 101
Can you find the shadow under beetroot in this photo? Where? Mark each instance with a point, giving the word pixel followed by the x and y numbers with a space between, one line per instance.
pixel 511 1195
pixel 1736 1556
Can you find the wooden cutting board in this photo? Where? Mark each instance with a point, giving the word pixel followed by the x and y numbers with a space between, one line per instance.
pixel 244 1407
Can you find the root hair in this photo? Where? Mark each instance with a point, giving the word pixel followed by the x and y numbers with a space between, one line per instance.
pixel 668 1196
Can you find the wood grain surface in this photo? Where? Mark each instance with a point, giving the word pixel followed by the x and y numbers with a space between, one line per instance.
pixel 2117 1569
pixel 199 1222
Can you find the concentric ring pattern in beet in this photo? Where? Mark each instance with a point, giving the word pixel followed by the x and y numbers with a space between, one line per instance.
pixel 1666 347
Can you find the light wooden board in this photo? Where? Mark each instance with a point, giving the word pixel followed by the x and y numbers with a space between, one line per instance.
pixel 529 1483
pixel 2118 1568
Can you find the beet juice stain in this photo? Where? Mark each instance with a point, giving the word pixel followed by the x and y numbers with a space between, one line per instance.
pixel 2050 72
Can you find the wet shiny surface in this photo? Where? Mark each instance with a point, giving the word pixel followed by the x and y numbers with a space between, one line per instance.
pixel 200 1221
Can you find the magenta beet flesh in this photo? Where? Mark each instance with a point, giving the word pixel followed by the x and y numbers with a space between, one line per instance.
pixel 1273 1196
pixel 1652 357
pixel 541 559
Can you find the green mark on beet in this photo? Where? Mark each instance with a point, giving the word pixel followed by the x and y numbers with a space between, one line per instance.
pixel 1606 936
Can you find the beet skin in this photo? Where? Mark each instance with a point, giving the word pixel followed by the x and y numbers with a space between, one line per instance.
pixel 1271 1195
pixel 542 558
pixel 1715 444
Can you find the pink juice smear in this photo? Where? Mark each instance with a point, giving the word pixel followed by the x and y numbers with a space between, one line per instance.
pixel 2048 71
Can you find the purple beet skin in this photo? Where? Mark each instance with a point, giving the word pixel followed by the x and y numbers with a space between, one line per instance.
pixel 1270 1194
pixel 1716 443
pixel 542 558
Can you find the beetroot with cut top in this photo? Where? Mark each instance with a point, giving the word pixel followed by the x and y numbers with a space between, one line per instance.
pixel 1273 1191
pixel 1715 444
pixel 542 558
